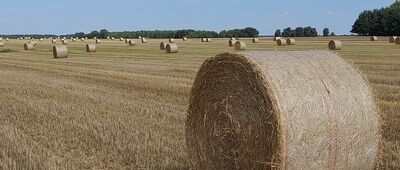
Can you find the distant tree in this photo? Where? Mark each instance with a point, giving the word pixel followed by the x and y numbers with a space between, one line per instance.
pixel 278 33
pixel 287 32
pixel 103 33
pixel 250 32
pixel 79 34
pixel 326 32
pixel 332 34
pixel 299 32
pixel 94 34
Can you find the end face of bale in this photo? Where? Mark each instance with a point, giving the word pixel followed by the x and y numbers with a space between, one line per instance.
pixel 240 45
pixel 127 41
pixel 335 45
pixel 204 40
pixel 132 42
pixel 98 41
pixel 397 41
pixel 232 43
pixel 2 44
pixel 392 39
pixel 171 40
pixel 373 38
pixel 64 42
pixel 54 41
pixel 281 42
pixel 144 40
pixel 60 51
pixel 163 46
pixel 90 48
pixel 263 112
pixel 208 39
pixel 171 48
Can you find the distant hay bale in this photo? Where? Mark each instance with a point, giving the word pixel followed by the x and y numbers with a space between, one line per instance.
pixel 121 39
pixel 60 51
pixel 171 48
pixel 82 39
pixel 95 38
pixel 163 46
pixel 277 38
pixel 281 42
pixel 240 45
pixel 90 47
pixel 73 40
pixel 7 39
pixel 171 40
pixel 140 37
pixel 65 42
pixel 86 38
pixel 108 37
pixel 335 45
pixel 40 40
pixel 232 38
pixel 127 41
pixel 28 46
pixel 392 39
pixel 132 42
pixel 53 41
pixel 291 41
pixel 232 43
pixel 209 39
pixel 98 41
pixel 373 38
pixel 144 40
pixel 281 110
pixel 184 38
pixel 2 44
pixel 256 40
pixel 112 38
pixel 34 43
pixel 204 40
pixel 397 41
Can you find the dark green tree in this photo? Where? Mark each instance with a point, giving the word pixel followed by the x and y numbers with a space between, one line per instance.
pixel 278 33
pixel 299 32
pixel 287 32
pixel 326 32
pixel 103 33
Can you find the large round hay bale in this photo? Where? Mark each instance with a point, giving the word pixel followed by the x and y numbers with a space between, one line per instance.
pixel 277 38
pixel 208 39
pixel 392 39
pixel 60 51
pixel 240 45
pixel 397 41
pixel 204 40
pixel 28 46
pixel 232 43
pixel 54 41
pixel 335 45
pixel 2 44
pixel 171 40
pixel 281 42
pixel 90 47
pixel 373 38
pixel 171 48
pixel 291 41
pixel 127 41
pixel 256 40
pixel 281 110
pixel 144 40
pixel 64 42
pixel 163 46
pixel 98 41
pixel 132 42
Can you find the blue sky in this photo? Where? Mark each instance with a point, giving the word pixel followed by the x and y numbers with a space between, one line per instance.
pixel 70 16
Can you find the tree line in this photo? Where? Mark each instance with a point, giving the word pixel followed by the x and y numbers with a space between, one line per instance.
pixel 383 22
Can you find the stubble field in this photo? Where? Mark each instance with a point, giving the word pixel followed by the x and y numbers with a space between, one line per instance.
pixel 124 107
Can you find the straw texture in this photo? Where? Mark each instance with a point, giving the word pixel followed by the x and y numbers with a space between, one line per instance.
pixel 28 46
pixel 232 43
pixel 163 45
pixel 132 42
pixel 281 42
pixel 373 38
pixel 171 40
pixel 256 40
pixel 392 39
pixel 171 48
pixel 291 41
pixel 397 41
pixel 281 110
pixel 240 45
pixel 335 45
pixel 2 44
pixel 60 51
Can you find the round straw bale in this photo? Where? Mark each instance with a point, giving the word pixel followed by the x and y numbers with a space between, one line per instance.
pixel 232 43
pixel 232 38
pixel 65 42
pixel 240 45
pixel 209 40
pixel 112 38
pixel 40 40
pixel 98 41
pixel 163 46
pixel 73 40
pixel 108 37
pixel 392 39
pixel 86 38
pixel 281 110
pixel 373 38
pixel 397 41
pixel 132 42
pixel 82 39
pixel 291 41
pixel 140 37
pixel 53 41
pixel 204 40
pixel 60 51
pixel 277 38
pixel 7 39
pixel 256 40
pixel 335 45
pixel 281 42
pixel 28 46
pixel 34 43
pixel 184 38
pixel 171 40
pixel 121 39
pixel 144 40
pixel 126 40
pixel 2 44
pixel 90 47
pixel 171 48
pixel 95 38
